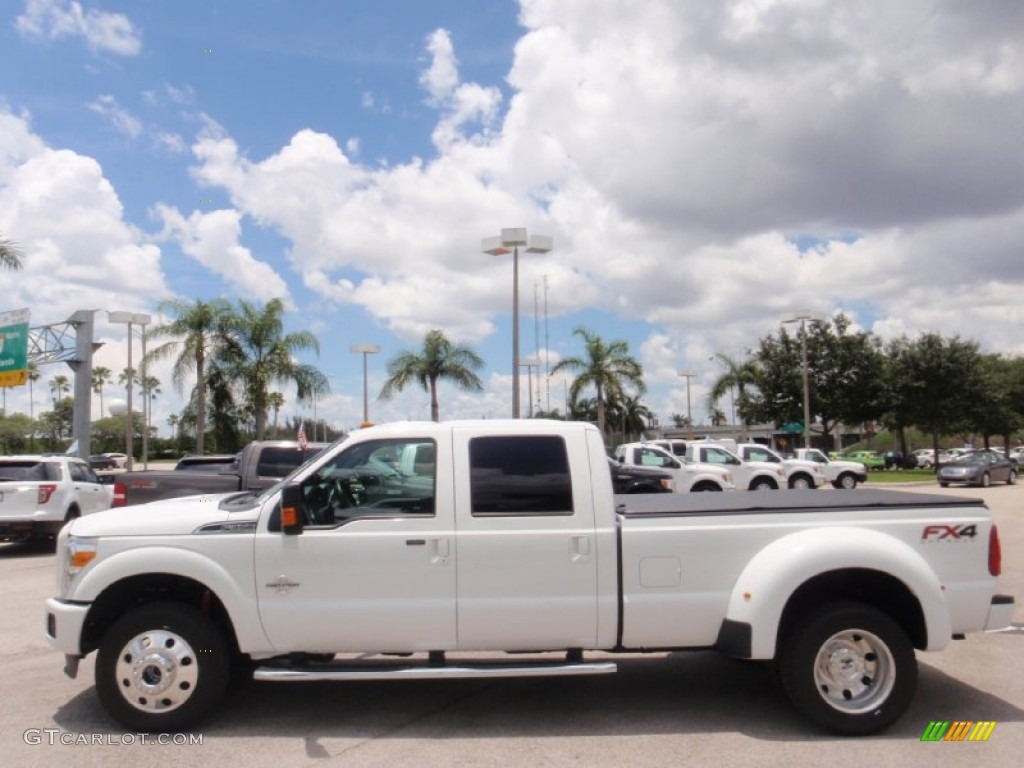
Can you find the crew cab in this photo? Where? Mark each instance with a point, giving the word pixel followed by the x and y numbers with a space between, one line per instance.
pixel 38 494
pixel 842 474
pixel 800 473
pixel 749 475
pixel 507 544
pixel 686 475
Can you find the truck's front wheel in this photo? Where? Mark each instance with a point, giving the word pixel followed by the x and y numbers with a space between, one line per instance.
pixel 850 668
pixel 162 667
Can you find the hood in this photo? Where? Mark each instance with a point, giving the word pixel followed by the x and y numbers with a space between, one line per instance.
pixel 160 518
pixel 856 466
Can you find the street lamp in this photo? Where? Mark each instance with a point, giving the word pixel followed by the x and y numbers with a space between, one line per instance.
pixel 129 319
pixel 365 349
pixel 689 415
pixel 499 246
pixel 802 318
pixel 530 363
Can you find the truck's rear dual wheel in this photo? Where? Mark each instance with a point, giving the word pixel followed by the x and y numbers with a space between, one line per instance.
pixel 162 667
pixel 849 668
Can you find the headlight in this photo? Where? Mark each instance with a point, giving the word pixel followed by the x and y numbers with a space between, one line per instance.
pixel 75 555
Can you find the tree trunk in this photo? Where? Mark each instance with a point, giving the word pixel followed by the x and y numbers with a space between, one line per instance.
pixel 435 409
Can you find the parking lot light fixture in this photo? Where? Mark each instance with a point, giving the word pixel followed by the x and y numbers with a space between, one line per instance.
pixel 510 241
pixel 365 350
pixel 802 318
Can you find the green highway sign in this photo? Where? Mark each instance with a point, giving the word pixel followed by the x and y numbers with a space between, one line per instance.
pixel 792 426
pixel 13 348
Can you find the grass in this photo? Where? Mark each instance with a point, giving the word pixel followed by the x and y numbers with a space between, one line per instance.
pixel 901 476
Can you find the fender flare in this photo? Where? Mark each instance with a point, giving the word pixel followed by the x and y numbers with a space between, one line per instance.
pixel 774 574
pixel 131 563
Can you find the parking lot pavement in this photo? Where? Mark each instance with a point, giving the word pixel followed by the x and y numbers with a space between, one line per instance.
pixel 684 709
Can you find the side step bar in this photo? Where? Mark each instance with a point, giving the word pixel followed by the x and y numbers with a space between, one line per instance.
pixel 333 672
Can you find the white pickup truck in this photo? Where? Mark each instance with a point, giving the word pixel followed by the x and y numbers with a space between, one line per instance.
pixel 842 474
pixel 688 475
pixel 511 540
pixel 800 473
pixel 749 475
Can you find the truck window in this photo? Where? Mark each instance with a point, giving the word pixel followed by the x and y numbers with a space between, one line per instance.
pixel 277 462
pixel 519 475
pixel 648 458
pixel 718 456
pixel 370 479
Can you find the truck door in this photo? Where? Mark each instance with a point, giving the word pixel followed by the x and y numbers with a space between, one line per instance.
pixel 527 560
pixel 374 567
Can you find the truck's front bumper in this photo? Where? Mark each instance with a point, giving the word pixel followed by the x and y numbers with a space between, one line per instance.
pixel 1000 612
pixel 64 624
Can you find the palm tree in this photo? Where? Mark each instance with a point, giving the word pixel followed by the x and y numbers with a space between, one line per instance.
pixel 440 359
pixel 101 376
pixel 257 353
pixel 607 367
pixel 631 415
pixel 10 256
pixel 275 401
pixel 194 332
pixel 58 386
pixel 741 375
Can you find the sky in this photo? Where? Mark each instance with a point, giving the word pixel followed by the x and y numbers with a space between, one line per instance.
pixel 705 170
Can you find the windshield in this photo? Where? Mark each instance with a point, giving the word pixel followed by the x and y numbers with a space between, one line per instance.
pixel 299 469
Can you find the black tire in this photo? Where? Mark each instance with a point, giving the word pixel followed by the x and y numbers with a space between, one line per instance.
pixel 178 682
pixel 1011 479
pixel 705 486
pixel 801 482
pixel 943 485
pixel 763 484
pixel 847 481
pixel 986 480
pixel 849 668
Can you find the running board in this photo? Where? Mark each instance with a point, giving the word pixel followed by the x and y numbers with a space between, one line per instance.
pixel 331 672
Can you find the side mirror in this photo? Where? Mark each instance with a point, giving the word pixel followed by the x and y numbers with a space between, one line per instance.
pixel 291 509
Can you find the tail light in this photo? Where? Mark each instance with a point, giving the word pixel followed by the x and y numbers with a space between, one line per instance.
pixel 46 490
pixel 995 552
pixel 120 495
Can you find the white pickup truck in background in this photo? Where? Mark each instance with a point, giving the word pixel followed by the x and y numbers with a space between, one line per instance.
pixel 749 475
pixel 800 473
pixel 842 474
pixel 504 537
pixel 688 476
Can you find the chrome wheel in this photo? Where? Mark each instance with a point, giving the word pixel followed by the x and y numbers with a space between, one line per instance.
pixel 854 671
pixel 157 671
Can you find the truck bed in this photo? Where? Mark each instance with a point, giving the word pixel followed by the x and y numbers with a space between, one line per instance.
pixel 672 505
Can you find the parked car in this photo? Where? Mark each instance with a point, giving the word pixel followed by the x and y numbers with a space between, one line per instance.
pixel 925 457
pixel 102 461
pixel 982 468
pixel 120 459
pixel 896 460
pixel 870 459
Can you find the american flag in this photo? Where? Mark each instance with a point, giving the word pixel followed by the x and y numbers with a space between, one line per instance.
pixel 303 442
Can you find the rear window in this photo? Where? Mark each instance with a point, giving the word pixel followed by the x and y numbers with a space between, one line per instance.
pixel 278 462
pixel 35 471
pixel 519 475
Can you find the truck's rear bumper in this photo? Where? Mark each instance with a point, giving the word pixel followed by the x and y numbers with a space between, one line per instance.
pixel 1000 612
pixel 64 623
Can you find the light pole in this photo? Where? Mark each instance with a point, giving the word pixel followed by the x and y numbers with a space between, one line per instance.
pixel 802 318
pixel 530 363
pixel 499 246
pixel 689 415
pixel 129 319
pixel 365 349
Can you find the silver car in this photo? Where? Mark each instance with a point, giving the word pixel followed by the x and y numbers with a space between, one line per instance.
pixel 980 468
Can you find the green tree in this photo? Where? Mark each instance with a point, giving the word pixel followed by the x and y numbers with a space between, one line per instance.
pixel 193 332
pixel 631 416
pixel 941 382
pixel 439 359
pixel 742 375
pixel 1000 409
pixel 257 353
pixel 59 385
pixel 101 376
pixel 606 367
pixel 275 401
pixel 10 256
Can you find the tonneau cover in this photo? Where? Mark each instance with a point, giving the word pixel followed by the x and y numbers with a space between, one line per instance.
pixel 752 502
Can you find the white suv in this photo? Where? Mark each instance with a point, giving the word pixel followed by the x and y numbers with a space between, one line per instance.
pixel 38 494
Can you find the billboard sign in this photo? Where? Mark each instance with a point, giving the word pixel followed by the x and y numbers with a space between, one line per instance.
pixel 14 348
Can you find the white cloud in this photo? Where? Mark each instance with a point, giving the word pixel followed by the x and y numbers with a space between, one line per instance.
pixel 69 223
pixel 123 120
pixel 57 19
pixel 212 239
pixel 172 142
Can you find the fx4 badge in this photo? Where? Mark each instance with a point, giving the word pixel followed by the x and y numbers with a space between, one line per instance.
pixel 949 532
